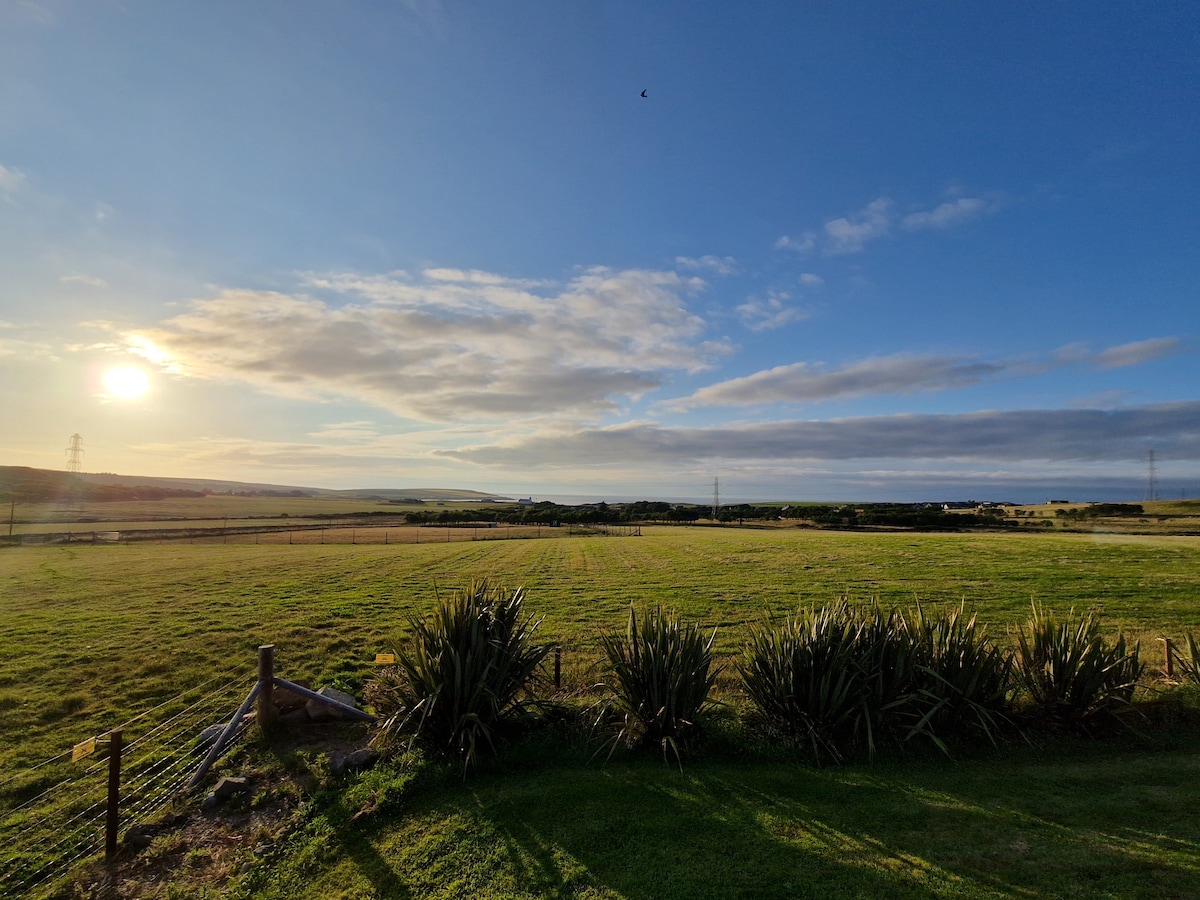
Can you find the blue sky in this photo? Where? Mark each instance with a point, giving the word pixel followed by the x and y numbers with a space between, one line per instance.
pixel 892 251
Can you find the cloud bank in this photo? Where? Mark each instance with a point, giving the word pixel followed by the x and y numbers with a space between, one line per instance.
pixel 993 437
pixel 803 382
pixel 448 345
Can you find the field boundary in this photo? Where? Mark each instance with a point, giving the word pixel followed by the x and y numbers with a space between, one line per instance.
pixel 339 533
pixel 79 801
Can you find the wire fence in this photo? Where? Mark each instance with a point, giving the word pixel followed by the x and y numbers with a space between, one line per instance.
pixel 331 534
pixel 55 815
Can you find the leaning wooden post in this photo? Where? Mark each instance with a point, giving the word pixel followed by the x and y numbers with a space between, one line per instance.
pixel 266 685
pixel 112 820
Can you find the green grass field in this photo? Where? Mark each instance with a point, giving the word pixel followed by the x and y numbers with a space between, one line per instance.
pixel 104 630
pixel 1119 825
pixel 93 635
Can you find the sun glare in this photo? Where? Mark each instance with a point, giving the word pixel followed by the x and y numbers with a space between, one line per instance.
pixel 126 382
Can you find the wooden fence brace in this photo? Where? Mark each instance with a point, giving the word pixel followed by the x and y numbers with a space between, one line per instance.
pixel 219 743
pixel 266 684
pixel 112 819
pixel 304 692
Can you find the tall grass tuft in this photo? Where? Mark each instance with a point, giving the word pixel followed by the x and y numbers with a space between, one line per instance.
pixel 462 674
pixel 1189 666
pixel 964 681
pixel 806 679
pixel 659 675
pixel 1069 672
pixel 844 680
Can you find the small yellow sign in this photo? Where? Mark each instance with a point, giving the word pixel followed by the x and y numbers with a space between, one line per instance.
pixel 82 749
pixel 385 659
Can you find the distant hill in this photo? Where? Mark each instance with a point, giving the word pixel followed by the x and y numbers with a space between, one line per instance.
pixel 27 485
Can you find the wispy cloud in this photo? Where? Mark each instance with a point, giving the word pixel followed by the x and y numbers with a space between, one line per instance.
pixel 1138 352
pixel 86 280
pixel 812 382
pixel 805 243
pixel 448 345
pixel 30 12
pixel 803 382
pixel 361 430
pixel 1123 434
pixel 946 215
pixel 770 312
pixel 11 180
pixel 851 234
pixel 721 265
pixel 477 277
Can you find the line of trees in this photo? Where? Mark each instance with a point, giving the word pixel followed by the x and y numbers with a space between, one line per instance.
pixel 1097 510
pixel 548 513
pixel 896 515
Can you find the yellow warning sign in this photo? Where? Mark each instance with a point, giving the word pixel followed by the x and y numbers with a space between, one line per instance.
pixel 385 659
pixel 82 749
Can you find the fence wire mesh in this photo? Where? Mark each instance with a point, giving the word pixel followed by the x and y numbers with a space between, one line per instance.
pixel 53 814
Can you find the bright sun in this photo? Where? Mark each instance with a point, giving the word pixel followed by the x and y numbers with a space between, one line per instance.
pixel 126 382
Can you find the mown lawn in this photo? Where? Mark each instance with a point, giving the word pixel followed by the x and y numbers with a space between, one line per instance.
pixel 1094 825
pixel 92 635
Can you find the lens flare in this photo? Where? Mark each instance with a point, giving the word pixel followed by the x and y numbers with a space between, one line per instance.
pixel 126 382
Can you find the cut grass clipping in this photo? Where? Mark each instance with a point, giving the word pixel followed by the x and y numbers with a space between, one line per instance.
pixel 463 673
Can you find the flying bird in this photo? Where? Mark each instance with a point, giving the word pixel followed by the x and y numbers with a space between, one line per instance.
pixel 643 93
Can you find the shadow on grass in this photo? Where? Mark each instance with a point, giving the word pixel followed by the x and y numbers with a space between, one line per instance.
pixel 722 831
pixel 1093 825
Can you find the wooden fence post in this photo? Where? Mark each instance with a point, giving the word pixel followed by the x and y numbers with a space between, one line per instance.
pixel 1169 649
pixel 558 668
pixel 266 684
pixel 112 820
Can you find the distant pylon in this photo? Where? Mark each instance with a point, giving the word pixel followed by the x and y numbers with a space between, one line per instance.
pixel 1152 480
pixel 716 496
pixel 75 454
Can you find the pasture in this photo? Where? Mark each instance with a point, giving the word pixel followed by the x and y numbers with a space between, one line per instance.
pixel 100 632
pixel 92 635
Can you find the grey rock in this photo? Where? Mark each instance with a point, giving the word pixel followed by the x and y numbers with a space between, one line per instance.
pixel 362 759
pixel 140 835
pixel 287 701
pixel 205 740
pixel 337 764
pixel 319 712
pixel 231 786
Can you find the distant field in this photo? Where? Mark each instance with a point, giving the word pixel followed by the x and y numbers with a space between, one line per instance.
pixel 102 631
pixel 215 507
